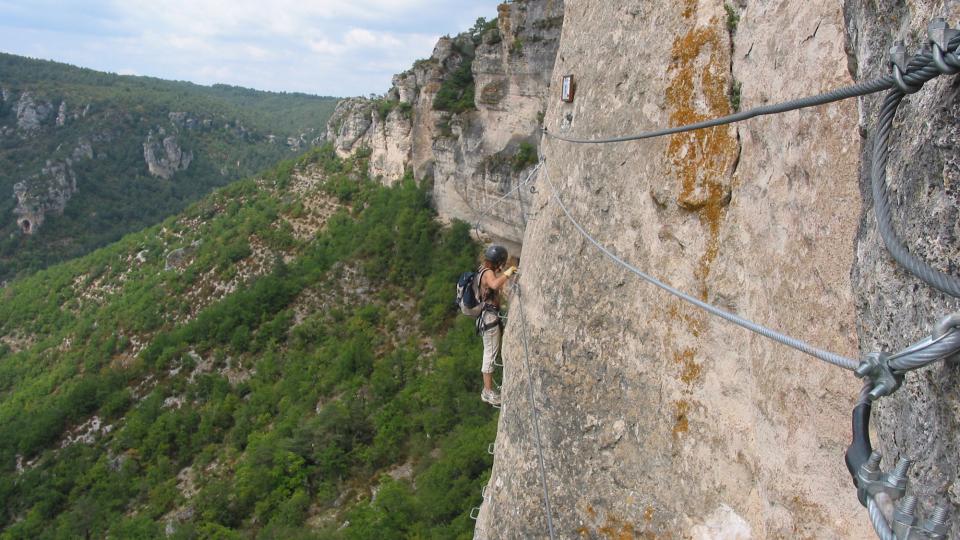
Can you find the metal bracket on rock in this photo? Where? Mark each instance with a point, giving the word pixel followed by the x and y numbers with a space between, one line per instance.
pixel 898 61
pixel 940 35
pixel 876 367
pixel 907 526
pixel 871 481
pixel 946 324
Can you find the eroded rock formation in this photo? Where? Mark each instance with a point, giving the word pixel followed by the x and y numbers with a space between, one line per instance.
pixel 475 156
pixel 30 114
pixel 44 193
pixel 165 157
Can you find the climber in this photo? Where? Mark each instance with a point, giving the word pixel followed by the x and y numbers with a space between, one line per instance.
pixel 491 279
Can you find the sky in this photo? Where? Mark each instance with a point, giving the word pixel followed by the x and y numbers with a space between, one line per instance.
pixel 323 47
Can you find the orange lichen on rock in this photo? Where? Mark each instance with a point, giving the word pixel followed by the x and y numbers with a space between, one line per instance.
pixel 702 159
pixel 690 370
pixel 694 319
pixel 681 423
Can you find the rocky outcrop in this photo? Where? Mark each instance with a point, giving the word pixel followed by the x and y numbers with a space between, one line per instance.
pixel 165 157
pixel 62 114
pixel 44 193
pixel 30 114
pixel 476 155
pixel 920 421
pixel 656 419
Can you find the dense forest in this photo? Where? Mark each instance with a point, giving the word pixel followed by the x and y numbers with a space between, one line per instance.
pixel 97 124
pixel 281 360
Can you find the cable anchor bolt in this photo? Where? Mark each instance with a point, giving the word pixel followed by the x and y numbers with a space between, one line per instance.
pixel 904 517
pixel 876 367
pixel 945 325
pixel 898 62
pixel 872 481
pixel 935 526
pixel 940 35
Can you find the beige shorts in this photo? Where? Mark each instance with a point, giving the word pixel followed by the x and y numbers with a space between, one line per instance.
pixel 491 343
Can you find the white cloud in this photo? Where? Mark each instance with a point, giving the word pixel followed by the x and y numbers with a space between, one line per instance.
pixel 330 47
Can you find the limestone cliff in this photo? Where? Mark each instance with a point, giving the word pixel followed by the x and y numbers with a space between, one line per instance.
pixel 44 193
pixel 165 157
pixel 476 155
pixel 657 420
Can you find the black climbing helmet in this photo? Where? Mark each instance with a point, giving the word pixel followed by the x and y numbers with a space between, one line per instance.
pixel 495 254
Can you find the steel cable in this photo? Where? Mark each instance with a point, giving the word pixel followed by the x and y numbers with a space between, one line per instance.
pixel 860 89
pixel 921 68
pixel 879 520
pixel 516 189
pixel 926 351
pixel 533 412
pixel 881 203
pixel 826 356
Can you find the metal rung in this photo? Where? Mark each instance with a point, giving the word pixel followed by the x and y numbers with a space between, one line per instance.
pixel 498 364
pixel 483 492
pixel 475 513
pixel 490 448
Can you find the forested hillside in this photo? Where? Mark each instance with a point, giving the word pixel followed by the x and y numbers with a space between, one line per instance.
pixel 281 360
pixel 86 157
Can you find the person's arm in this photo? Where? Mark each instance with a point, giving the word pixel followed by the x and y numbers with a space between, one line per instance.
pixel 491 282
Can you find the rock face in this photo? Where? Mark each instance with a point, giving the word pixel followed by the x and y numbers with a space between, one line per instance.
pixel 474 157
pixel 658 420
pixel 894 309
pixel 165 157
pixel 44 193
pixel 30 115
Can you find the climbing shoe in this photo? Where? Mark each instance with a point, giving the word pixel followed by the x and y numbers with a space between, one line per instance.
pixel 490 396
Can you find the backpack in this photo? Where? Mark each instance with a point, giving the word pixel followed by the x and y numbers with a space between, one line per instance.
pixel 468 294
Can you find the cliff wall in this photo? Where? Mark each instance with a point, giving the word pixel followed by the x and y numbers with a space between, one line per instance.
pixel 657 420
pixel 473 155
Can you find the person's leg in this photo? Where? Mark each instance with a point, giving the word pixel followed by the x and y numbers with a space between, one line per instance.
pixel 488 381
pixel 491 346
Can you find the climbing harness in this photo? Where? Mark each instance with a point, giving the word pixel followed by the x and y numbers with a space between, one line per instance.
pixel 882 372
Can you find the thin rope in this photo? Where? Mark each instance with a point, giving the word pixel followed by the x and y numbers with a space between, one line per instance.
pixel 826 356
pixel 533 412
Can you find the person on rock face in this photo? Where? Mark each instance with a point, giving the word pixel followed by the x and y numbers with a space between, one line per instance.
pixel 492 279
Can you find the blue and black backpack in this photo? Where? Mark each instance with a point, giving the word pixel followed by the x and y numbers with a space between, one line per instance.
pixel 468 293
